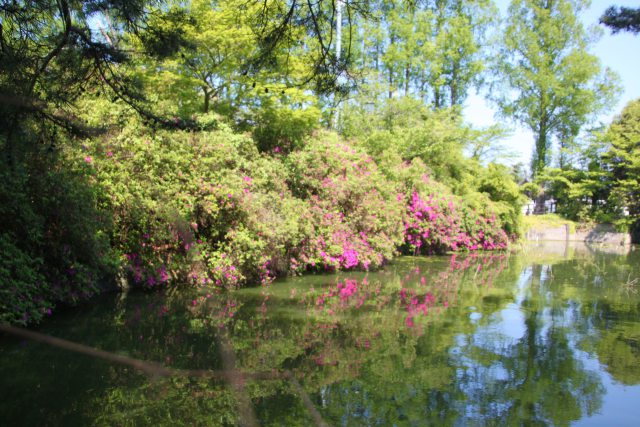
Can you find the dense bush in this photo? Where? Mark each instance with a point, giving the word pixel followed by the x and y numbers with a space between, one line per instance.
pixel 190 206
pixel 438 224
pixel 404 130
pixel 280 124
pixel 23 288
pixel 53 238
pixel 505 198
pixel 355 215
pixel 208 207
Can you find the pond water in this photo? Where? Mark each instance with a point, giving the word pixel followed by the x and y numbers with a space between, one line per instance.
pixel 546 336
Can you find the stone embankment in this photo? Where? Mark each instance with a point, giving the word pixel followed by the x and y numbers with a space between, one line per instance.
pixel 600 234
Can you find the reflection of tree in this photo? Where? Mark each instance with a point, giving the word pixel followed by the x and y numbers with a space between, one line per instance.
pixel 619 351
pixel 534 379
pixel 607 310
pixel 376 370
pixel 354 354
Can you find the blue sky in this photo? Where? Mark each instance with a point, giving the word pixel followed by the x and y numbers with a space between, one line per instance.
pixel 620 52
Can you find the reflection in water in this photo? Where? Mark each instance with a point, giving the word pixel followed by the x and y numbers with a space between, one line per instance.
pixel 526 357
pixel 530 338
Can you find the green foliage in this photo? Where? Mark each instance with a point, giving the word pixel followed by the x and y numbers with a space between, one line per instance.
pixel 581 195
pixel 603 186
pixel 621 19
pixel 405 126
pixel 622 158
pixel 53 236
pixel 559 85
pixel 208 72
pixel 49 57
pixel 531 190
pixel 203 53
pixel 405 130
pixel 505 196
pixel 280 125
pixel 22 286
pixel 431 51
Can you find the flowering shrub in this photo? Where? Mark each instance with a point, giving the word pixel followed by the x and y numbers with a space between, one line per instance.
pixel 356 220
pixel 208 208
pixel 437 224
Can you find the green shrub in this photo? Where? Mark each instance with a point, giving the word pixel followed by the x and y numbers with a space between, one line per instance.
pixel 208 207
pixel 24 291
pixel 355 215
pixel 54 237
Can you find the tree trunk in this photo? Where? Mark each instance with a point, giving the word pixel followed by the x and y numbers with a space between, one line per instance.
pixel 453 86
pixel 540 156
pixel 406 81
pixel 207 95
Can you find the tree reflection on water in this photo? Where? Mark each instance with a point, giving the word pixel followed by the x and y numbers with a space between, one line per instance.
pixel 471 340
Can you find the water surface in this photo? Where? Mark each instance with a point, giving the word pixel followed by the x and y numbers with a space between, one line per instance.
pixel 547 336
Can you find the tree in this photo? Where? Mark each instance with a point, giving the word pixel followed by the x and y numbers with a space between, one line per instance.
pixel 458 31
pixel 485 146
pixel 621 19
pixel 48 56
pixel 433 51
pixel 551 83
pixel 51 52
pixel 623 160
pixel 210 64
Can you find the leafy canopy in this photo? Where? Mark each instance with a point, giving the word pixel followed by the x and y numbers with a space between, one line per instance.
pixel 554 86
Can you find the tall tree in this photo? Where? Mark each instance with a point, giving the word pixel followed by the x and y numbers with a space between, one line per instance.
pixel 623 160
pixel 49 54
pixel 52 51
pixel 218 44
pixel 430 50
pixel 551 83
pixel 458 32
pixel 622 19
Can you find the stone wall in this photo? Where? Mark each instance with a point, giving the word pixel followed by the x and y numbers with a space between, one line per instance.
pixel 601 233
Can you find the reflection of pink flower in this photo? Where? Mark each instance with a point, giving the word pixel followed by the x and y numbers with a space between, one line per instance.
pixel 348 289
